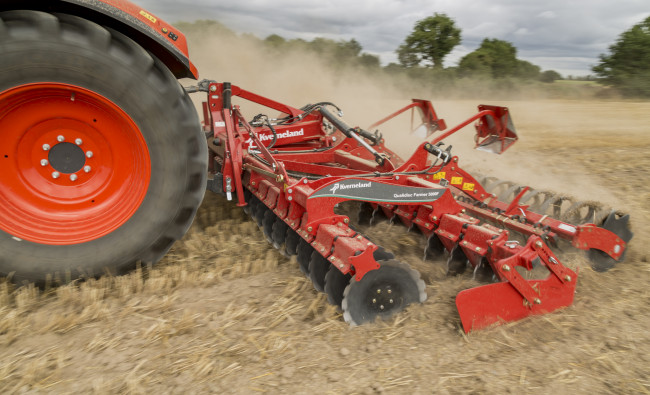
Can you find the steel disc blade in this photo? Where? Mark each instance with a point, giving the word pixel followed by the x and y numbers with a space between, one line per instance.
pixel 304 251
pixel 382 293
pixel 381 254
pixel 291 241
pixel 267 224
pixel 335 284
pixel 258 213
pixel 279 233
pixel 318 267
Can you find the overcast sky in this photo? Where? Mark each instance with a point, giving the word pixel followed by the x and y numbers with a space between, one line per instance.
pixel 562 35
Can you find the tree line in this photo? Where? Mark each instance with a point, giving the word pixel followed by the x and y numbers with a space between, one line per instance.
pixel 421 56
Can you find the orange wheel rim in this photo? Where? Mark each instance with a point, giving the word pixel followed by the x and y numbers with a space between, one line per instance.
pixel 75 166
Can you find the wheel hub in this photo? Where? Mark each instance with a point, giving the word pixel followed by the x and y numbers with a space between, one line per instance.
pixel 384 298
pixel 66 158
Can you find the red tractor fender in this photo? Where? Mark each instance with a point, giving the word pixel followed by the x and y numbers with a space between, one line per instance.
pixel 150 32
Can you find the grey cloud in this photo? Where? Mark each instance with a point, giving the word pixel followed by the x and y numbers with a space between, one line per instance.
pixel 553 34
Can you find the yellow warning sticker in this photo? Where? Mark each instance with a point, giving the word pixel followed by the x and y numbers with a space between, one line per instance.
pixel 468 186
pixel 148 16
pixel 439 176
pixel 456 180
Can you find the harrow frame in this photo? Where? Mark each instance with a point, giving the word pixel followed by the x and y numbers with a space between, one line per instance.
pixel 300 166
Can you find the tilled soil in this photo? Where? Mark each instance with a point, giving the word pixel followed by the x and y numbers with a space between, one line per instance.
pixel 226 313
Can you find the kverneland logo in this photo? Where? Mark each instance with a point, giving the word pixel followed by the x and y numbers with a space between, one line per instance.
pixel 357 185
pixel 283 135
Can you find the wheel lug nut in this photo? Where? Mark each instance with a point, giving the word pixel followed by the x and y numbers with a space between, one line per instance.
pixel 87 169
pixel 44 162
pixel 381 306
pixel 46 147
pixel 73 177
pixel 89 154
pixel 55 174
pixel 78 141
pixel 391 301
pixel 374 301
pixel 60 138
pixel 378 291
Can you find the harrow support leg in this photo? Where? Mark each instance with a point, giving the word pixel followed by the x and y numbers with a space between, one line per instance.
pixel 516 298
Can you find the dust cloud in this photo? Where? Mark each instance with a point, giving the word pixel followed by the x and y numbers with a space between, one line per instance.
pixel 300 77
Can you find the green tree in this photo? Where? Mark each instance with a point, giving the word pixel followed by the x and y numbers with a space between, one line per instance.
pixel 627 67
pixel 275 41
pixel 432 39
pixel 497 59
pixel 549 76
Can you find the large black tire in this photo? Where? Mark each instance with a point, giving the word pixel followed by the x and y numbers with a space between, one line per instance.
pixel 39 48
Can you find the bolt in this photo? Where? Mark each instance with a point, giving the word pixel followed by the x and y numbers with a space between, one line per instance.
pixel 73 177
pixel 359 238
pixel 46 147
pixel 617 249
pixel 322 249
pixel 55 175
pixel 478 249
pixel 346 220
pixel 390 291
pixel 341 266
pixel 309 229
pixel 290 198
pixel 435 218
pixel 290 190
pixel 505 268
pixel 397 177
pixel 381 307
pixel 60 138
pixel 213 88
pixel 378 290
pixel 537 301
pixel 568 278
pixel 391 301
pixel 44 162
pixel 553 260
pixel 293 224
pixel 304 181
pixel 538 244
pixel 89 154
pixel 374 300
pixel 87 169
pixel 78 141
pixel 464 243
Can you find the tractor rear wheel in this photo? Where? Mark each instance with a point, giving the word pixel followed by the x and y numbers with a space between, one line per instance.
pixel 101 149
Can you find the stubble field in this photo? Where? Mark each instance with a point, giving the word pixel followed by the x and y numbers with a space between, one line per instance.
pixel 226 313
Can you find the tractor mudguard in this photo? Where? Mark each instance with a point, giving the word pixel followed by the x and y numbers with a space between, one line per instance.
pixel 150 32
